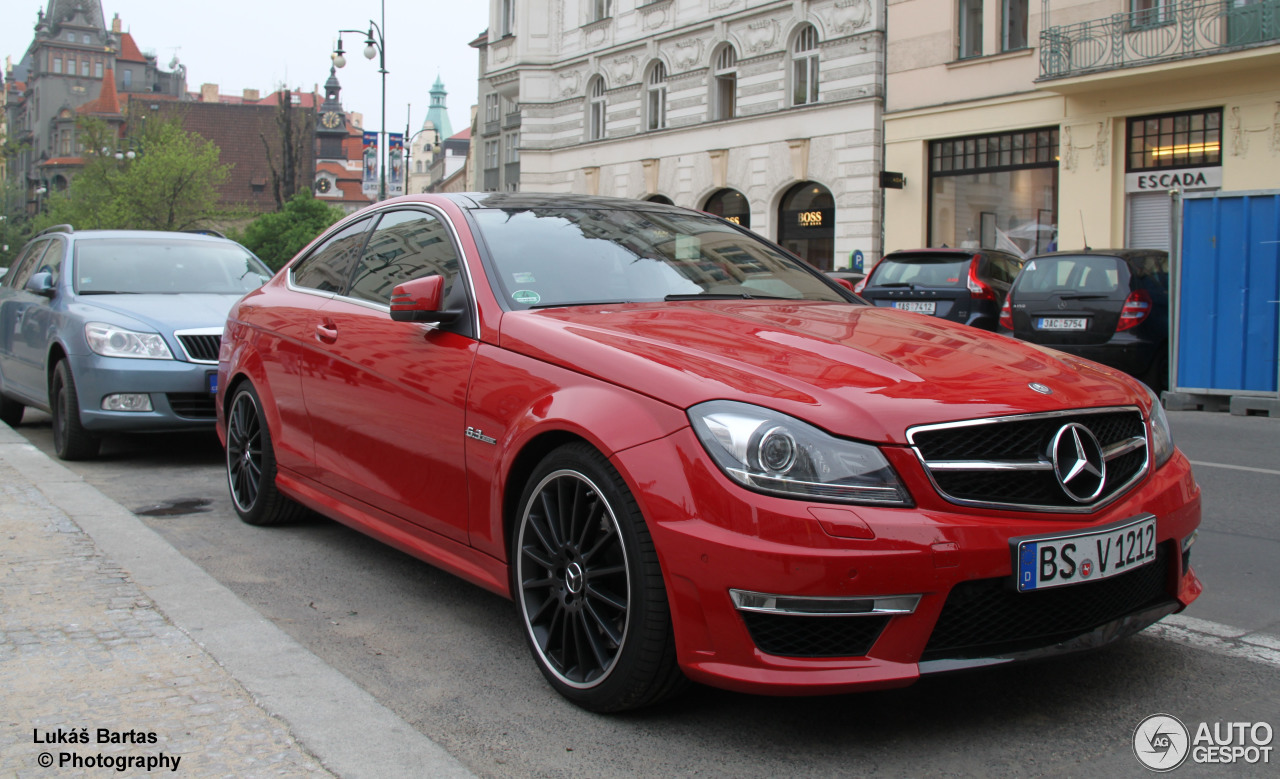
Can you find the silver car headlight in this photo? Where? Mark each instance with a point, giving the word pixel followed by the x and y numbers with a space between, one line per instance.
pixel 111 341
pixel 1161 435
pixel 776 454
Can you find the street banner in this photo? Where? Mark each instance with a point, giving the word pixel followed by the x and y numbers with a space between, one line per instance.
pixel 369 180
pixel 395 164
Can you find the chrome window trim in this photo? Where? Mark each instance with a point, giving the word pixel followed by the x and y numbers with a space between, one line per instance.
pixel 177 336
pixel 1111 452
pixel 463 260
pixel 793 605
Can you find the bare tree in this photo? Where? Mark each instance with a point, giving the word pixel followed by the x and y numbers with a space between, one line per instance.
pixel 291 150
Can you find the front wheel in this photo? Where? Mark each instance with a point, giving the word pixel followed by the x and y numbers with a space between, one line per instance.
pixel 588 586
pixel 70 440
pixel 251 464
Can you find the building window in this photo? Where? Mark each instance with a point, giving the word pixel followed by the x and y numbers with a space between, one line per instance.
pixel 596 109
pixel 491 108
pixel 97 70
pixel 513 147
pixel 804 66
pixel 730 204
pixel 507 25
pixel 128 79
pixel 600 9
pixel 656 104
pixel 725 84
pixel 970 28
pixel 57 64
pixel 997 191
pixel 491 154
pixel 1152 13
pixel 85 39
pixel 1189 139
pixel 1013 33
pixel 84 67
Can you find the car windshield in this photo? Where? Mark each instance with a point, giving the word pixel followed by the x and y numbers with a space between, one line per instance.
pixel 1084 273
pixel 106 266
pixel 573 256
pixel 921 271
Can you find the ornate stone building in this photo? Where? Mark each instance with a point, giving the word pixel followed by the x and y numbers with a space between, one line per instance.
pixel 766 112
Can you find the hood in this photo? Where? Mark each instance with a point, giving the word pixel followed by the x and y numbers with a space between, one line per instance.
pixel 858 371
pixel 163 313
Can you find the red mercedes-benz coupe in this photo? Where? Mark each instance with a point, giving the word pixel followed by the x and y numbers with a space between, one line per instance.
pixel 686 454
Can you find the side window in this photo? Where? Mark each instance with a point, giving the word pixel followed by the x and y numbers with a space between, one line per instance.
pixel 23 266
pixel 51 261
pixel 329 267
pixel 406 245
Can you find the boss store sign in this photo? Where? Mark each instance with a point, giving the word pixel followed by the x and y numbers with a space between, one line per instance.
pixel 1185 179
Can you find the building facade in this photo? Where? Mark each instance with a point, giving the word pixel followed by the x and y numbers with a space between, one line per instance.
pixel 765 112
pixel 1068 124
pixel 71 52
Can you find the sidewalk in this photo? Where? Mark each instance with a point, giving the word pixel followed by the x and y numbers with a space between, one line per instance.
pixel 113 646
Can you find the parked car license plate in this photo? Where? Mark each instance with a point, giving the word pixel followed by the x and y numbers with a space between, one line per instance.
pixel 1073 323
pixel 1059 560
pixel 918 306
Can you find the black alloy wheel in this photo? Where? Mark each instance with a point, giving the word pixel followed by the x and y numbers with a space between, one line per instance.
pixel 251 464
pixel 70 440
pixel 589 588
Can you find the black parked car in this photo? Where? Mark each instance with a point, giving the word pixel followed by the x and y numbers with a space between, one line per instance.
pixel 1106 305
pixel 963 285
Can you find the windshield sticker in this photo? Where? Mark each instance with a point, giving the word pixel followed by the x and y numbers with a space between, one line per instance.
pixel 526 297
pixel 1031 266
pixel 523 278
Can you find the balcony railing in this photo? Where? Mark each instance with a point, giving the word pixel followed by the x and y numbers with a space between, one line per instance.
pixel 1171 31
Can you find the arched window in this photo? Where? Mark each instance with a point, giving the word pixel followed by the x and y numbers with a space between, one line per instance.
pixel 660 199
pixel 724 84
pixel 595 109
pixel 804 66
pixel 806 224
pixel 731 205
pixel 656 104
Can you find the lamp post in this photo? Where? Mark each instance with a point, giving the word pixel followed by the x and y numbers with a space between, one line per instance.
pixel 373 47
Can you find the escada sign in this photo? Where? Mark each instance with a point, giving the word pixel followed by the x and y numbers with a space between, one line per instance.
pixel 1160 181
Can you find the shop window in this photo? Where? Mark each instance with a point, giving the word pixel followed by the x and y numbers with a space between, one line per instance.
pixel 1187 139
pixel 730 204
pixel 806 224
pixel 997 191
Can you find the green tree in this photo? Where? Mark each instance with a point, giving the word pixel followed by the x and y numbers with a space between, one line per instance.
pixel 277 237
pixel 171 184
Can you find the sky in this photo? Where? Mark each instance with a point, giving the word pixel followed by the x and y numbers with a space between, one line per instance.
pixel 263 45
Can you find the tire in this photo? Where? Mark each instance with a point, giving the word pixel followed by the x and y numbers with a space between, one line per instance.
pixel 251 464
pixel 11 411
pixel 588 587
pixel 70 440
pixel 1157 376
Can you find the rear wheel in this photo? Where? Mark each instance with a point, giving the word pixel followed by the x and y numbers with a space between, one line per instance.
pixel 589 588
pixel 11 411
pixel 251 464
pixel 70 440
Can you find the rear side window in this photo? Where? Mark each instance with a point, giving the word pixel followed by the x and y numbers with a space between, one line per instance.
pixel 406 245
pixel 1082 273
pixel 329 267
pixel 23 266
pixel 922 270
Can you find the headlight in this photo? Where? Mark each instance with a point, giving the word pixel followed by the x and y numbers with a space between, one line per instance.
pixel 111 341
pixel 773 453
pixel 1161 435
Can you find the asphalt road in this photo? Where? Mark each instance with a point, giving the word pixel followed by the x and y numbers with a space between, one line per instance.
pixel 449 659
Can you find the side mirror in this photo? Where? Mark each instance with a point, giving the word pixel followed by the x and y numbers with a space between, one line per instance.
pixel 845 283
pixel 40 284
pixel 421 300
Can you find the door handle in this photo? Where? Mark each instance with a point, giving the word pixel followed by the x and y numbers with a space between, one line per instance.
pixel 327 332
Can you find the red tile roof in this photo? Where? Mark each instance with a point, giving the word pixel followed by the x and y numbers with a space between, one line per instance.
pixel 129 50
pixel 107 102
pixel 63 162
pixel 465 135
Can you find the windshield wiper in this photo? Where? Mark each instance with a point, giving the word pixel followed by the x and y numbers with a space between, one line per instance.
pixel 109 292
pixel 723 296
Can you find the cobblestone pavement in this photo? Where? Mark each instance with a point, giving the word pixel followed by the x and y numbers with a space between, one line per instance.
pixel 83 650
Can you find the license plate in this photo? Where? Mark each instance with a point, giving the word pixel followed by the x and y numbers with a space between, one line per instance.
pixel 1059 560
pixel 213 383
pixel 918 306
pixel 1061 324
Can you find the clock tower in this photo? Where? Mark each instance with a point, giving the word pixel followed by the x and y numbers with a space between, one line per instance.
pixel 331 128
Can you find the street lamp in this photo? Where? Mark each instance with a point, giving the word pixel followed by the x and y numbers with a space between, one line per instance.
pixel 373 47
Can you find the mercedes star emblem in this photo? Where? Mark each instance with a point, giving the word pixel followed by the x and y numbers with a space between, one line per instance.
pixel 1078 462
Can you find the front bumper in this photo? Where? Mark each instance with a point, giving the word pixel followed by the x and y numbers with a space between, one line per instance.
pixel 179 392
pixel 714 538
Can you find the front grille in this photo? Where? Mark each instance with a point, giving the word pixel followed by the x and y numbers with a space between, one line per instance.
pixel 791 635
pixel 1007 463
pixel 201 348
pixel 192 405
pixel 987 617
